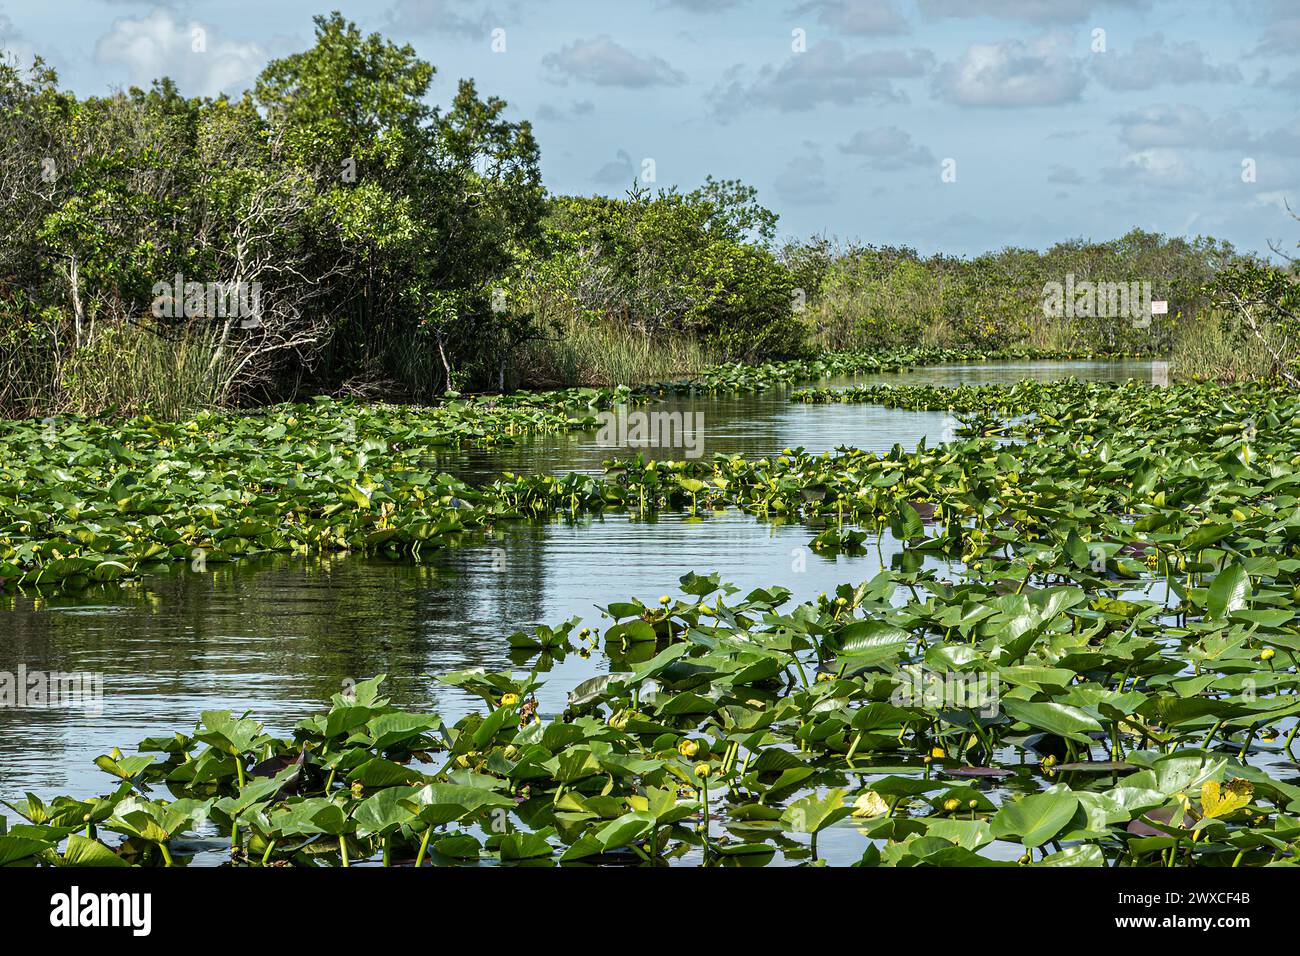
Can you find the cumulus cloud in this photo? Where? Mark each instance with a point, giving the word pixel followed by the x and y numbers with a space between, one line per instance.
pixel 439 16
pixel 191 53
pixel 1039 72
pixel 858 17
pixel 1032 11
pixel 826 73
pixel 803 181
pixel 1179 125
pixel 602 61
pixel 1152 62
pixel 575 109
pixel 619 171
pixel 888 147
pixel 1158 168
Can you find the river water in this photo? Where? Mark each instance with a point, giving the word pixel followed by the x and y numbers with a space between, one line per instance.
pixel 277 637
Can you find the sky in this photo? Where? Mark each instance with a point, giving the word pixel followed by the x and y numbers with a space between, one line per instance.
pixel 954 126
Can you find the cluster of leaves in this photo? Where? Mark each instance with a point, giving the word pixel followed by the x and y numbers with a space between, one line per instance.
pixel 84 501
pixel 730 732
pixel 1128 580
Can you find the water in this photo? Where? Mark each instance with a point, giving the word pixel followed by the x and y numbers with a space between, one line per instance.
pixel 277 637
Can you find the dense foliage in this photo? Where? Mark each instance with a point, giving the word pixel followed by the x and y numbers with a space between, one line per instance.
pixel 371 225
pixel 330 231
pixel 889 296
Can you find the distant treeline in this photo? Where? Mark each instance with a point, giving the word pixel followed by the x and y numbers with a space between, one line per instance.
pixel 1093 296
pixel 329 231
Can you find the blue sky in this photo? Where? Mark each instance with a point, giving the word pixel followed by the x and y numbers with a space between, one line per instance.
pixel 1053 119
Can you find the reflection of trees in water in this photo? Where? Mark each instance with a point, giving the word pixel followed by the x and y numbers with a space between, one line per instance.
pixel 284 630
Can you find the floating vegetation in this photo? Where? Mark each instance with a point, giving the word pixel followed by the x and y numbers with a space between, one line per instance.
pixel 739 731
pixel 85 501
pixel 1101 669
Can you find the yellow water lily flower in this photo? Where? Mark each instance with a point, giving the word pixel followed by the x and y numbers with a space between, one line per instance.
pixel 688 748
pixel 1219 801
pixel 870 804
pixel 509 700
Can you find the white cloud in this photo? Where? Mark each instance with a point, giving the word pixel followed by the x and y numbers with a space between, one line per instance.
pixel 803 181
pixel 1040 72
pixel 858 17
pixel 442 16
pixel 1153 62
pixel 1158 167
pixel 888 147
pixel 825 73
pixel 575 109
pixel 1033 11
pixel 158 44
pixel 602 61
pixel 619 171
pixel 1170 126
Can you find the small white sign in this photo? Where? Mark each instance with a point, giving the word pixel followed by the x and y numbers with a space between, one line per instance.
pixel 1159 307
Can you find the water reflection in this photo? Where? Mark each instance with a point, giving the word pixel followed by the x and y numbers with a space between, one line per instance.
pixel 278 637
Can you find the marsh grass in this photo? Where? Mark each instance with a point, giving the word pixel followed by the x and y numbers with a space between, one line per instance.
pixel 128 371
pixel 1218 347
pixel 599 354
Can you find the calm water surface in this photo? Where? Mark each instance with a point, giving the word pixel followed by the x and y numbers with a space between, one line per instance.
pixel 277 637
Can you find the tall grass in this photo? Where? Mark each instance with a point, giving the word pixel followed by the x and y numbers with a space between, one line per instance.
pixel 600 354
pixel 1217 346
pixel 123 370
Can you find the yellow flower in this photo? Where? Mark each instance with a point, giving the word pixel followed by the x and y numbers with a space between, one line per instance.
pixel 1267 654
pixel 702 770
pixel 665 599
pixel 688 748
pixel 952 805
pixel 870 804
pixel 938 753
pixel 509 700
